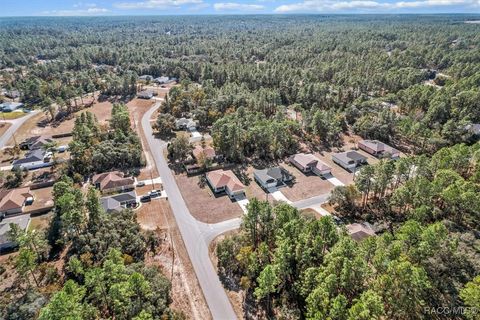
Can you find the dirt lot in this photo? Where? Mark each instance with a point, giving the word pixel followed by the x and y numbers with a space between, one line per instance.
pixel 203 204
pixel 186 292
pixel 137 108
pixel 39 125
pixel 4 127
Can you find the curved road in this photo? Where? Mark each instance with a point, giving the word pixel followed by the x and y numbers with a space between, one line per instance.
pixel 196 235
pixel 15 124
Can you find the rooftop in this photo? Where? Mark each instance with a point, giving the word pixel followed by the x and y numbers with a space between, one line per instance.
pixel 220 178
pixel 13 198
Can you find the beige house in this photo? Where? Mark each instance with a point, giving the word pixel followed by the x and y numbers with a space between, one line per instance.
pixel 307 162
pixel 14 200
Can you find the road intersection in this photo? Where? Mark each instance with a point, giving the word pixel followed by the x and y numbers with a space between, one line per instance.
pixel 198 235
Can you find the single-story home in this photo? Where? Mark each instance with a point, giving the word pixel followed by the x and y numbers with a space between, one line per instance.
pixel 207 152
pixel 5 243
pixel 34 159
pixel 35 142
pixel 185 124
pixel 225 180
pixel 12 94
pixel 349 159
pixel 379 149
pixel 360 231
pixel 162 80
pixel 474 129
pixel 307 162
pixel 272 177
pixel 145 77
pixel 113 181
pixel 119 201
pixel 10 106
pixel 145 94
pixel 13 201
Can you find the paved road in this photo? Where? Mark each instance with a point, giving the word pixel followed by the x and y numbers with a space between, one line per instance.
pixel 306 203
pixel 15 124
pixel 196 235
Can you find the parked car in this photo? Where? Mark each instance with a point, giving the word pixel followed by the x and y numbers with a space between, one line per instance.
pixel 146 198
pixel 155 193
pixel 62 149
pixel 140 184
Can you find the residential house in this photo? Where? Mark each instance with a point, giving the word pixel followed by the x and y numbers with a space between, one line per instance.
pixel 34 159
pixel 162 80
pixel 225 181
pixel 12 94
pixel 185 124
pixel 201 152
pixel 113 181
pixel 272 177
pixel 5 242
pixel 307 162
pixel 10 106
pixel 349 160
pixel 473 129
pixel 360 231
pixel 119 201
pixel 13 201
pixel 145 94
pixel 35 142
pixel 145 77
pixel 379 149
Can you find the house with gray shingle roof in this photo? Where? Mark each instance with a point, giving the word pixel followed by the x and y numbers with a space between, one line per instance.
pixel 349 160
pixel 272 177
pixel 119 201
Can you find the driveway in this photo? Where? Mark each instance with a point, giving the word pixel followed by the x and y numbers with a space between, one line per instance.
pixel 196 235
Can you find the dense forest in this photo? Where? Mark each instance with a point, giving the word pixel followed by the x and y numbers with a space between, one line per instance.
pixel 295 266
pixel 412 81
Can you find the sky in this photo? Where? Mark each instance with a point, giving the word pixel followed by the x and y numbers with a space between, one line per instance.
pixel 189 7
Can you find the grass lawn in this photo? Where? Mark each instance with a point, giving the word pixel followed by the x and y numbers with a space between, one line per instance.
pixel 40 222
pixel 12 115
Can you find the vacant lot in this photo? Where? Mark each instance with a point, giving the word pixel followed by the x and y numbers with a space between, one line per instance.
pixel 203 204
pixel 173 259
pixel 137 108
pixel 153 215
pixel 4 127
pixel 40 124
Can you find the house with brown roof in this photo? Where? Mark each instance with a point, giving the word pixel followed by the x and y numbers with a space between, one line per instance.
pixel 225 181
pixel 307 162
pixel 360 231
pixel 13 201
pixel 113 181
pixel 207 152
pixel 379 149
